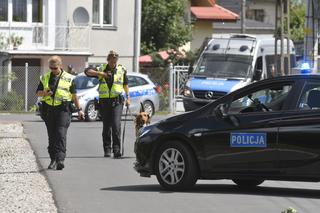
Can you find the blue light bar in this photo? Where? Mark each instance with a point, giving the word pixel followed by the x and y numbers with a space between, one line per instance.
pixel 305 68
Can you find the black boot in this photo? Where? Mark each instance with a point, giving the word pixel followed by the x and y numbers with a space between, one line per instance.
pixel 116 154
pixel 107 152
pixel 60 165
pixel 52 164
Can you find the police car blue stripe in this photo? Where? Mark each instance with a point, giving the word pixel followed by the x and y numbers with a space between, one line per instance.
pixel 213 85
pixel 248 140
pixel 142 93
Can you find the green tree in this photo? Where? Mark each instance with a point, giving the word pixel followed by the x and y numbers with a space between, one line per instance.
pixel 297 19
pixel 164 25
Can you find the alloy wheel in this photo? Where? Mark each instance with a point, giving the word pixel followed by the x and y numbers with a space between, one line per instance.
pixel 171 166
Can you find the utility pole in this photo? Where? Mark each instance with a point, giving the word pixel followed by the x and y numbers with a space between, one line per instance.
pixel 243 16
pixel 282 34
pixel 311 37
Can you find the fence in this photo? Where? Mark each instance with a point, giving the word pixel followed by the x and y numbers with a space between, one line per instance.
pixel 172 80
pixel 18 87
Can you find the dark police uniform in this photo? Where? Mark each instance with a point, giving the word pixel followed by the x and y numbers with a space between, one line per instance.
pixel 56 111
pixel 111 102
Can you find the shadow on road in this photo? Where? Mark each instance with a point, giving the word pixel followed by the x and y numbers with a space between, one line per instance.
pixel 135 188
pixel 226 189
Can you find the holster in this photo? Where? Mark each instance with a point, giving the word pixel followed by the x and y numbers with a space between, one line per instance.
pixel 72 107
pixel 96 104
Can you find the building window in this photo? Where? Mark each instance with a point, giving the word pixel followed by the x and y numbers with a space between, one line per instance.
pixel 103 12
pixel 36 10
pixel 4 10
pixel 255 14
pixel 19 13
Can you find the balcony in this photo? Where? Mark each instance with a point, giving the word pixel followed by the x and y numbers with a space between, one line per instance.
pixel 44 37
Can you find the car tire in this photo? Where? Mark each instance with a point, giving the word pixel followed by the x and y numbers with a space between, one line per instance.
pixel 176 167
pixel 148 107
pixel 247 183
pixel 91 114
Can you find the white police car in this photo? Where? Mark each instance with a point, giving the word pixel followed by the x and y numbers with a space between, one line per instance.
pixel 141 89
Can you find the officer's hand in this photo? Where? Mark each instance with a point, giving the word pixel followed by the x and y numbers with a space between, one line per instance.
pixel 128 101
pixel 81 115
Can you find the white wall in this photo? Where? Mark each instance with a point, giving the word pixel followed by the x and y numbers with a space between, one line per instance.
pixel 119 38
pixel 268 7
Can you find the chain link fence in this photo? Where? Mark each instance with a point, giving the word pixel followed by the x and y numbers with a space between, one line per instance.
pixel 160 77
pixel 18 86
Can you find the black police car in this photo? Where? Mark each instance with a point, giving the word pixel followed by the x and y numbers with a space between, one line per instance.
pixel 269 130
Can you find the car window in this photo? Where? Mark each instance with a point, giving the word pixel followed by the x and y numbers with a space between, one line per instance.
pixel 310 98
pixel 141 81
pixel 134 81
pixel 84 82
pixel 267 99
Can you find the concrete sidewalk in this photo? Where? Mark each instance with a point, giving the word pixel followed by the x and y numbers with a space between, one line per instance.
pixel 23 187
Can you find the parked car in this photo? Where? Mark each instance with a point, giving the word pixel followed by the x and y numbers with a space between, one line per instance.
pixel 141 89
pixel 268 130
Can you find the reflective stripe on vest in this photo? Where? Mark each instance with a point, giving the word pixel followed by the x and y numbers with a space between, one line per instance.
pixel 62 91
pixel 117 86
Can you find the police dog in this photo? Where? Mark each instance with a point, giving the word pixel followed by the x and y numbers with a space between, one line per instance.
pixel 142 119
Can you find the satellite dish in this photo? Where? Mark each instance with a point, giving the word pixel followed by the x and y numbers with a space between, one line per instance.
pixel 80 16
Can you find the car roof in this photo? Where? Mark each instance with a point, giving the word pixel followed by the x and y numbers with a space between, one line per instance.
pixel 290 77
pixel 128 73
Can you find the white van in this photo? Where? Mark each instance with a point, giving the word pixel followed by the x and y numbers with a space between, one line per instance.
pixel 229 63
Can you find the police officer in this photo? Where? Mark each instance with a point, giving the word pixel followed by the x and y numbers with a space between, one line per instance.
pixel 113 84
pixel 57 90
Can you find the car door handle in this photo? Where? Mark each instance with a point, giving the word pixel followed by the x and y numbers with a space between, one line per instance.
pixel 275 122
pixel 199 134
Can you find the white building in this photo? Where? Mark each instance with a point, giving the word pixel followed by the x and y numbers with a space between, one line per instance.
pixel 81 31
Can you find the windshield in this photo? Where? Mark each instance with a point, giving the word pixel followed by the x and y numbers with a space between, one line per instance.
pixel 84 82
pixel 223 66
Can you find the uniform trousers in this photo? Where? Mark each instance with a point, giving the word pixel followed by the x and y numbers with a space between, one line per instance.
pixel 111 111
pixel 57 122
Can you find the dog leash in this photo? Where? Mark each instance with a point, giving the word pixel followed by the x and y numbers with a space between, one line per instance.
pixel 124 131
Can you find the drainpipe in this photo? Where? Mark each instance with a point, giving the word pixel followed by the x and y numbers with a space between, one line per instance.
pixel 137 29
pixel 243 16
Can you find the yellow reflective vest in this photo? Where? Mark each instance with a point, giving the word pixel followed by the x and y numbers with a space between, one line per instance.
pixel 62 91
pixel 117 86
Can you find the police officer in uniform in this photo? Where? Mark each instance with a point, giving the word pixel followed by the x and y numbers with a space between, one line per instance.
pixel 113 84
pixel 57 90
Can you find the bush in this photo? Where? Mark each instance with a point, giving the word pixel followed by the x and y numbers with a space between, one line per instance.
pixel 11 102
pixel 164 98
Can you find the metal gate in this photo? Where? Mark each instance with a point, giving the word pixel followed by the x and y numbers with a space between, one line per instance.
pixel 178 78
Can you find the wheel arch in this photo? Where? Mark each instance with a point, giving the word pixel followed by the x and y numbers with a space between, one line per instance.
pixel 182 140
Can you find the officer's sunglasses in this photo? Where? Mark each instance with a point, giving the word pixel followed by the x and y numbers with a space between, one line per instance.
pixel 54 68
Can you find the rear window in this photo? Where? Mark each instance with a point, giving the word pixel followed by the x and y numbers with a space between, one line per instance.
pixel 84 82
pixel 134 81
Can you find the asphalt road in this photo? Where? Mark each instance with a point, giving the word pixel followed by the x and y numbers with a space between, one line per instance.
pixel 92 183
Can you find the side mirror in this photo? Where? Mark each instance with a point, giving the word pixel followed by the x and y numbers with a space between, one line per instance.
pixel 257 75
pixel 221 111
pixel 190 70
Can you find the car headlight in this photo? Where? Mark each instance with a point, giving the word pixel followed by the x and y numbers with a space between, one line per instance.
pixel 144 132
pixel 187 92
